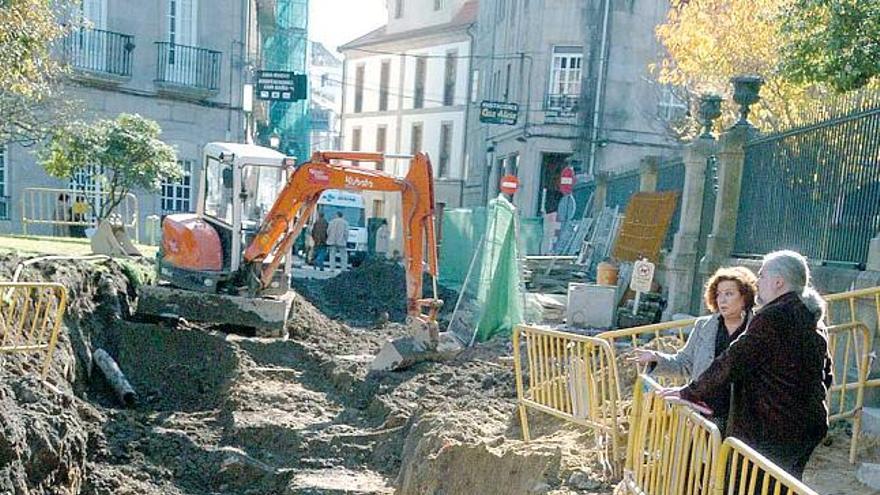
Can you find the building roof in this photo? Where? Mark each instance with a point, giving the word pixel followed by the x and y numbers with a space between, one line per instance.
pixel 465 16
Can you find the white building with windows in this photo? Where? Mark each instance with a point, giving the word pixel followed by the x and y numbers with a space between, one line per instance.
pixel 406 89
pixel 174 61
pixel 531 55
pixel 325 98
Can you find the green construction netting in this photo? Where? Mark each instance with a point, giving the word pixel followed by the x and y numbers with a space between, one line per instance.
pixel 463 230
pixel 490 301
pixel 284 33
pixel 531 233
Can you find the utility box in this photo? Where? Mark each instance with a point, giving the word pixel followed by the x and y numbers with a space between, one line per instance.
pixel 591 305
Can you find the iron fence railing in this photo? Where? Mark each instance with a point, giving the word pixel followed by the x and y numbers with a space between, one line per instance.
pixel 100 51
pixel 188 66
pixel 621 188
pixel 670 177
pixel 814 189
pixel 561 105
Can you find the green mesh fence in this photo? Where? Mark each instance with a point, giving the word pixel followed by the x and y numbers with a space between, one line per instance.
pixel 462 230
pixel 490 300
pixel 284 47
pixel 531 232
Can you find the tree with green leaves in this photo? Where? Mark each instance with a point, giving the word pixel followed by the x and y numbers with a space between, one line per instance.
pixel 30 75
pixel 127 149
pixel 832 41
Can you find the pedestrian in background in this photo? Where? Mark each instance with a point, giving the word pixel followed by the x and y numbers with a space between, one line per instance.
pixel 780 368
pixel 62 215
pixel 382 235
pixel 78 212
pixel 337 241
pixel 319 238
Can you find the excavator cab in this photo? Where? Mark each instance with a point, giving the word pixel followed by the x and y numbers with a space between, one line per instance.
pixel 202 252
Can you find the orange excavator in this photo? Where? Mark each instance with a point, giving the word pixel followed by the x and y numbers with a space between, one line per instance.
pixel 230 262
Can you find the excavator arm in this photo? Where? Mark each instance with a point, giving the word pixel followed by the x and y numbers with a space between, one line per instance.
pixel 298 199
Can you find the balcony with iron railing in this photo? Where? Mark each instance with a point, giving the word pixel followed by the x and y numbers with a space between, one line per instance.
pixel 561 105
pixel 99 54
pixel 187 70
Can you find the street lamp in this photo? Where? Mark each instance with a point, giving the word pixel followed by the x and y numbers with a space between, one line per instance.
pixel 274 140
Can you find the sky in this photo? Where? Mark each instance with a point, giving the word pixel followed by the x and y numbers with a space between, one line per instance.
pixel 336 22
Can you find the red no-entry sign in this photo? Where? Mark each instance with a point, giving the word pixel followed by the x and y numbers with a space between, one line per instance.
pixel 509 184
pixel 566 180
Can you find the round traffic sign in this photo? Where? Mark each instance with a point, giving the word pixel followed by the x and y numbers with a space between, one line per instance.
pixel 509 184
pixel 566 180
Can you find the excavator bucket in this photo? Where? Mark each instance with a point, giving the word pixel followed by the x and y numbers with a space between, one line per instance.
pixel 267 316
pixel 112 239
pixel 423 344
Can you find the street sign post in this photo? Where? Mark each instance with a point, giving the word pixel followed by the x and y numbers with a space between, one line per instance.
pixel 642 277
pixel 498 112
pixel 509 184
pixel 276 85
pixel 566 180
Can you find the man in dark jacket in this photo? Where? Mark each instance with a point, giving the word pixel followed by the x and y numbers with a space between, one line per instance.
pixel 780 368
pixel 319 237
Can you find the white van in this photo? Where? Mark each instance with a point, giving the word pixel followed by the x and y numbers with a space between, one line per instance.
pixel 352 207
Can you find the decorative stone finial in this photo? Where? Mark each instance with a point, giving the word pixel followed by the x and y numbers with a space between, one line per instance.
pixel 746 91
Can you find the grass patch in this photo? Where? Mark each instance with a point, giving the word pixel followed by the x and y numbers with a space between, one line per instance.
pixel 70 246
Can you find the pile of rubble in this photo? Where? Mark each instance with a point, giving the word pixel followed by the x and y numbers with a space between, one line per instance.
pixel 222 413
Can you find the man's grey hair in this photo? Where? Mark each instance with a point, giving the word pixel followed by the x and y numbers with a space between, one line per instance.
pixel 792 267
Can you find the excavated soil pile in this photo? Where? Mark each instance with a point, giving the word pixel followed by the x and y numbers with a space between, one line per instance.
pixel 373 292
pixel 226 414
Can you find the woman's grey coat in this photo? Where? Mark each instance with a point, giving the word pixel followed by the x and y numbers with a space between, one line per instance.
pixel 696 356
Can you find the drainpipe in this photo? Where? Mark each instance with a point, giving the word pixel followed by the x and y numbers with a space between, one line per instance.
pixel 600 83
pixel 343 85
pixel 467 114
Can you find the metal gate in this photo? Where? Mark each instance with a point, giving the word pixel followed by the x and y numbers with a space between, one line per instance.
pixel 814 189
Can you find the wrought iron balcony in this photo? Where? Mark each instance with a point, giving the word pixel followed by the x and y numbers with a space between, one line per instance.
pixel 188 69
pixel 101 53
pixel 561 105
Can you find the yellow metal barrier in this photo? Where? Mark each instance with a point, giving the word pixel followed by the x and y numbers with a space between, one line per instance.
pixel 671 449
pixel 30 318
pixel 850 346
pixel 40 206
pixel 751 473
pixel 665 337
pixel 571 377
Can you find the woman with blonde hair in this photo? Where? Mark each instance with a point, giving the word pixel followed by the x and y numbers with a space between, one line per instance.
pixel 730 296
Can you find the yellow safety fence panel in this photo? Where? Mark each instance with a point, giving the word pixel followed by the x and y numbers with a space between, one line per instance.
pixel 664 337
pixel 742 470
pixel 854 315
pixel 850 346
pixel 571 377
pixel 671 449
pixel 41 206
pixel 30 318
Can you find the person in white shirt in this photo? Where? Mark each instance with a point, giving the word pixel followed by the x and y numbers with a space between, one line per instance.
pixel 337 239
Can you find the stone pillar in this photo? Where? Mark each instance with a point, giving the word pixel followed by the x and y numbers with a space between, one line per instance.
pixel 731 159
pixel 601 192
pixel 681 264
pixel 682 261
pixel 873 263
pixel 648 170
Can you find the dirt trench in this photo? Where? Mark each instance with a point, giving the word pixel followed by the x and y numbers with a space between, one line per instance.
pixel 221 413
